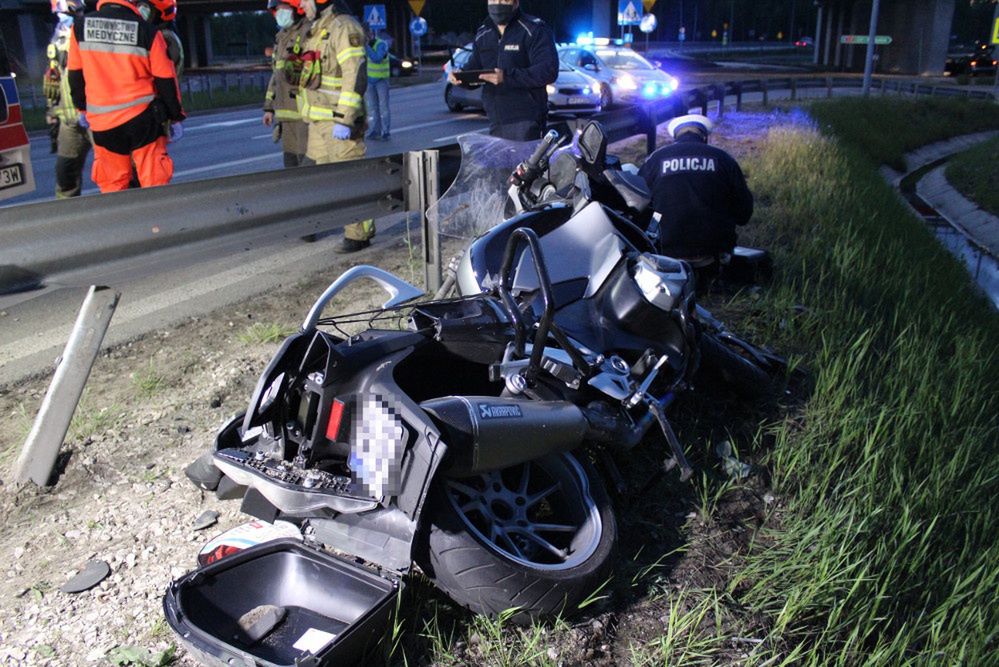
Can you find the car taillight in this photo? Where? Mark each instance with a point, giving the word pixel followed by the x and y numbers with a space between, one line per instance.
pixel 336 416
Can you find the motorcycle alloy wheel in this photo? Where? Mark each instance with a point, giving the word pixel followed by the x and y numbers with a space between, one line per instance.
pixel 536 536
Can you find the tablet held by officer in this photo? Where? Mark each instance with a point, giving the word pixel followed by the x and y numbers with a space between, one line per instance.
pixel 518 55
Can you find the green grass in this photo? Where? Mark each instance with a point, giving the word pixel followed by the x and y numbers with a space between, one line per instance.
pixel 884 551
pixel 149 380
pixel 885 130
pixel 265 332
pixel 975 173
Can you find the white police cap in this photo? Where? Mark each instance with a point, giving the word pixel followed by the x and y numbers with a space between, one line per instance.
pixel 703 123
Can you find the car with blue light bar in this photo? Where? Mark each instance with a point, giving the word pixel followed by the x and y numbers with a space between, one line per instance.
pixel 625 76
pixel 573 93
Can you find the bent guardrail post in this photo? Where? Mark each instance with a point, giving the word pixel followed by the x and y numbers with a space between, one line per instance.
pixel 41 449
pixel 422 192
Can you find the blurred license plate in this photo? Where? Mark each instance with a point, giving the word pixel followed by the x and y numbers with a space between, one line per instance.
pixel 579 100
pixel 11 176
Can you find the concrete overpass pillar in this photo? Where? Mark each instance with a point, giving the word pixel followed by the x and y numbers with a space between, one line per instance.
pixel 920 32
pixel 602 13
pixel 199 40
pixel 34 30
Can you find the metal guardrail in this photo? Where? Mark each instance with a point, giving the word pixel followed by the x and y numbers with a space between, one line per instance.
pixel 207 86
pixel 37 240
pixel 44 238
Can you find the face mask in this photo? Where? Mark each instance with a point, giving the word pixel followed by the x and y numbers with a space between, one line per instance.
pixel 501 14
pixel 284 17
pixel 146 12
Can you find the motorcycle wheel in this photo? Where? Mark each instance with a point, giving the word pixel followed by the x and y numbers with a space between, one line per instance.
pixel 536 536
pixel 728 364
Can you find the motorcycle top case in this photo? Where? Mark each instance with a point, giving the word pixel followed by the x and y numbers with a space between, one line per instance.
pixel 328 611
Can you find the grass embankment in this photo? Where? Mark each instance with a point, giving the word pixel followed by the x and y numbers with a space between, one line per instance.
pixel 886 131
pixel 884 551
pixel 974 173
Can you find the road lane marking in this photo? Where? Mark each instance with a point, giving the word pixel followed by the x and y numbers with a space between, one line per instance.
pixel 223 123
pixel 407 128
pixel 223 165
pixel 441 140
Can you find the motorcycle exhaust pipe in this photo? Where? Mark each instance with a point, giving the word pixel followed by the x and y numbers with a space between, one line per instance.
pixel 485 433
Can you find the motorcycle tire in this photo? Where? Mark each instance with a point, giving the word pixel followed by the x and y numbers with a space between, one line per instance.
pixel 725 363
pixel 479 544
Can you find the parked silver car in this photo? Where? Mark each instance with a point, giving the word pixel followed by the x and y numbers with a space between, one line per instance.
pixel 574 92
pixel 625 75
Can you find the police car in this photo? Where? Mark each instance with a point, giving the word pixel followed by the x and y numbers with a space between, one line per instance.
pixel 625 76
pixel 16 177
pixel 573 93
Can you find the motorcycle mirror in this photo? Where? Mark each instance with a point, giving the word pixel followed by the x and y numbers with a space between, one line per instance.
pixel 593 145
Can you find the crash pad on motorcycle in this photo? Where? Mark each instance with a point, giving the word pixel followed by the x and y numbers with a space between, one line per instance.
pixel 281 603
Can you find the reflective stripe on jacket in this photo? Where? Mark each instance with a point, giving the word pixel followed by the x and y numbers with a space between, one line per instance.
pixel 378 70
pixel 60 104
pixel 286 74
pixel 333 84
pixel 118 64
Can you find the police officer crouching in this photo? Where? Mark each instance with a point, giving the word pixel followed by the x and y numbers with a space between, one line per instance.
pixel 520 51
pixel 699 195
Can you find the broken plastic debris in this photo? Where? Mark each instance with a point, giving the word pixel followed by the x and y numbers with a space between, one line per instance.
pixel 92 574
pixel 206 519
pixel 732 466
pixel 259 621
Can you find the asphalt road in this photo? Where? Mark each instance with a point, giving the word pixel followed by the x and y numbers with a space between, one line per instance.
pixel 235 142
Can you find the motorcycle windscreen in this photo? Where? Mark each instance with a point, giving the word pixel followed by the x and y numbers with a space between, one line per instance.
pixel 476 201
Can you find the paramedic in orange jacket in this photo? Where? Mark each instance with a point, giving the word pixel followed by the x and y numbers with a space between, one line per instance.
pixel 125 86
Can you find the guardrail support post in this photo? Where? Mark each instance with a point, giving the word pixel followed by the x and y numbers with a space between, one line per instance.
pixel 41 449
pixel 720 95
pixel 423 191
pixel 737 87
pixel 829 86
pixel 766 92
pixel 794 89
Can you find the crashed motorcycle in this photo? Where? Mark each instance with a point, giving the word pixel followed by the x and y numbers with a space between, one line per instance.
pixel 466 441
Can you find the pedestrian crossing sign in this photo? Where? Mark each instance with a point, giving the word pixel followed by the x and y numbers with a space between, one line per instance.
pixel 628 12
pixel 374 16
pixel 995 30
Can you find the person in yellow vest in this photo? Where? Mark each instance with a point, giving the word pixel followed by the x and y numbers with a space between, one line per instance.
pixel 280 105
pixel 331 97
pixel 72 142
pixel 377 97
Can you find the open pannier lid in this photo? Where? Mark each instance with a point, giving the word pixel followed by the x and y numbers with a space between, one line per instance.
pixel 280 603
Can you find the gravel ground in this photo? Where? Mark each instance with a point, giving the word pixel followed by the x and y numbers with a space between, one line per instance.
pixel 154 405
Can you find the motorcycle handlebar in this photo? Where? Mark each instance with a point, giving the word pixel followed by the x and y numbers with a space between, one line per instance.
pixel 542 148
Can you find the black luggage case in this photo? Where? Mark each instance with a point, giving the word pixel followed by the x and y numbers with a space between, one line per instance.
pixel 319 593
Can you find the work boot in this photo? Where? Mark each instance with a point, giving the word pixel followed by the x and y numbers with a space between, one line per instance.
pixel 351 245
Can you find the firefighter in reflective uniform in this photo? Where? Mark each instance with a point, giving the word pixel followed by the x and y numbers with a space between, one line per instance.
pixel 71 143
pixel 280 105
pixel 125 87
pixel 331 99
pixel 163 14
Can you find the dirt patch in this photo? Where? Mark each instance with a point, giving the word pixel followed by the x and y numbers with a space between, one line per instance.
pixel 155 404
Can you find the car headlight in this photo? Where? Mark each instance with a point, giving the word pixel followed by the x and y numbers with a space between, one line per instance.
pixel 406 64
pixel 550 88
pixel 586 90
pixel 627 82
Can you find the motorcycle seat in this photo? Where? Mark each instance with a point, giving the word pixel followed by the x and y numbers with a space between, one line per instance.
pixel 631 187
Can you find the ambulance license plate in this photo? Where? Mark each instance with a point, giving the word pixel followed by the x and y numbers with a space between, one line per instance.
pixel 579 101
pixel 11 176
